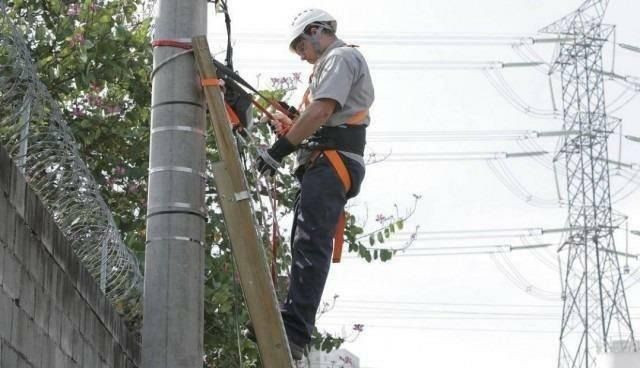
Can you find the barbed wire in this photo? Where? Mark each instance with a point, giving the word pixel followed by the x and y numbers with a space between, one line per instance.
pixel 36 135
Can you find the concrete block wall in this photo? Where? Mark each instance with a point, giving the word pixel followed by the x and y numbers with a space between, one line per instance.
pixel 52 312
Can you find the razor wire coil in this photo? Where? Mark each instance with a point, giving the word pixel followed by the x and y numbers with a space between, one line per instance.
pixel 37 137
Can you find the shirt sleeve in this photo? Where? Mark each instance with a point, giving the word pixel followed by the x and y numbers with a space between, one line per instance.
pixel 335 80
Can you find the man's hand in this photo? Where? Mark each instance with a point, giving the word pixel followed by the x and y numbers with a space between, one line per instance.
pixel 270 160
pixel 281 124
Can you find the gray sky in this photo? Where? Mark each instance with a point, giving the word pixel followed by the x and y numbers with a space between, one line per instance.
pixel 458 310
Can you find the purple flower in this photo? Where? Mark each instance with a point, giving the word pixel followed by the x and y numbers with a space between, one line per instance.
pixel 77 112
pixel 112 110
pixel 73 10
pixel 94 100
pixel 77 39
pixel 118 170
pixel 95 87
pixel 133 188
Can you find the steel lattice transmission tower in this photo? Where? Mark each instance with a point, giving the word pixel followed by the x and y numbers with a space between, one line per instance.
pixel 595 316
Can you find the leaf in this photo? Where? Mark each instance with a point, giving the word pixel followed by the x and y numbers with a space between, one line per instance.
pixel 400 224
pixel 375 254
pixel 372 239
pixel 106 18
pixel 387 233
pixel 380 237
pixel 385 255
pixel 367 257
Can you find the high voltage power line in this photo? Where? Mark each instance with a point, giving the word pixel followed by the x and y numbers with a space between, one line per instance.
pixel 409 39
pixel 463 135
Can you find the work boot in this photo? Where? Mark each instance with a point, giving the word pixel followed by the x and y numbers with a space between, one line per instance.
pixel 297 351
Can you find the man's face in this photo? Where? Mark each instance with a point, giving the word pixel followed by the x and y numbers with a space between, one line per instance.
pixel 305 50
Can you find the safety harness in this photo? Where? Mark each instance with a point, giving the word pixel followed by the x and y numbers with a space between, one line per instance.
pixel 327 141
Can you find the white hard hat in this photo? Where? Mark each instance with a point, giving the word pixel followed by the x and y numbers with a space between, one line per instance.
pixel 306 18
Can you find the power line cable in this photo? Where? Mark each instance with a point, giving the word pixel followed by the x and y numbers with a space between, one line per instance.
pixel 451 329
pixel 458 156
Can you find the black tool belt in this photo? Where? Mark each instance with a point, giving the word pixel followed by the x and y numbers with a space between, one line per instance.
pixel 346 138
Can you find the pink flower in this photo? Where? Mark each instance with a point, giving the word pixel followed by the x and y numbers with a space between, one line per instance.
pixel 77 112
pixel 94 100
pixel 296 76
pixel 133 188
pixel 73 10
pixel 118 170
pixel 77 39
pixel 112 110
pixel 95 87
pixel 358 327
pixel 346 360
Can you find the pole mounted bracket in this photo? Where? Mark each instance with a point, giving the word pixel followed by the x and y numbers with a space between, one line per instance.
pixel 241 196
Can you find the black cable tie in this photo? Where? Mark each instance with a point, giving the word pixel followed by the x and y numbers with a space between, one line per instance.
pixel 184 212
pixel 178 102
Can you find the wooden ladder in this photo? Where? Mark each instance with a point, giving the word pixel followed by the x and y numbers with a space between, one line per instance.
pixel 248 251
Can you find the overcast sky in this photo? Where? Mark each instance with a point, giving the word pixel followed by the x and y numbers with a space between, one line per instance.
pixel 460 310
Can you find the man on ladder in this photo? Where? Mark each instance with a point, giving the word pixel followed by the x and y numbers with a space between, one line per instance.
pixel 329 137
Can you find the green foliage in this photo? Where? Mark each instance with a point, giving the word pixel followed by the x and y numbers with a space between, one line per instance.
pixel 326 342
pixel 94 57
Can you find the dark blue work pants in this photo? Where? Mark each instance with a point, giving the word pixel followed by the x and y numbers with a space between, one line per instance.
pixel 320 202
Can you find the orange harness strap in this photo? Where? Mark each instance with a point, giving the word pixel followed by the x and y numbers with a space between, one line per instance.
pixel 336 161
pixel 343 173
pixel 233 117
pixel 341 170
pixel 338 240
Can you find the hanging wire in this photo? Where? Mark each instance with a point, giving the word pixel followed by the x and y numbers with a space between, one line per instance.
pixel 538 253
pixel 506 177
pixel 630 187
pixel 626 97
pixel 496 79
pixel 36 135
pixel 510 271
pixel 236 319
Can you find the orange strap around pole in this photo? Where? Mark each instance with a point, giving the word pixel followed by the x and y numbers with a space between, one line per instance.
pixel 210 82
pixel 173 43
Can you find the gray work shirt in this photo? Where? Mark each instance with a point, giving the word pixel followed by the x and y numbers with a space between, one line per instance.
pixel 341 74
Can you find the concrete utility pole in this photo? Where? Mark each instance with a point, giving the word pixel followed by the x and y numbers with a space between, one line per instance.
pixel 172 332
